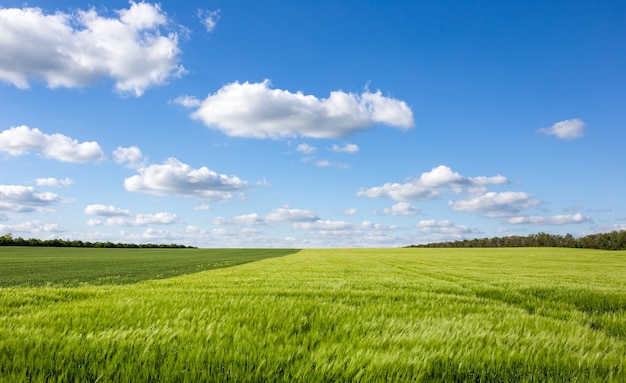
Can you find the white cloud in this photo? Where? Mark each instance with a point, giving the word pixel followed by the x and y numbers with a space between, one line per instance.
pixel 54 182
pixel 187 101
pixel 351 211
pixel 124 217
pixel 348 148
pixel 325 163
pixel 430 185
pixel 203 207
pixel 567 130
pixel 495 204
pixel 244 219
pixel 132 156
pixel 163 235
pixel 439 230
pixel 276 216
pixel 607 228
pixel 255 110
pixel 106 211
pixel 149 219
pixel 21 199
pixel 401 208
pixel 369 225
pixel 21 139
pixel 287 214
pixel 264 182
pixel 176 178
pixel 74 50
pixel 561 219
pixel 35 226
pixel 306 149
pixel 209 18
pixel 323 225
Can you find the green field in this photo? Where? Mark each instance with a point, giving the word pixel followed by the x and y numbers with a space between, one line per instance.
pixel 479 315
pixel 68 267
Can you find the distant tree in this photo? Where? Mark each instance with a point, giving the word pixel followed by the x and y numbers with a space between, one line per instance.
pixel 603 241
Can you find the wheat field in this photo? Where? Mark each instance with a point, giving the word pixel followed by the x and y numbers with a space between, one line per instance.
pixel 321 315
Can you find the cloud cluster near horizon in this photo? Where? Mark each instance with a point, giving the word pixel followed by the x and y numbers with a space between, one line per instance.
pixel 123 217
pixel 255 110
pixel 431 185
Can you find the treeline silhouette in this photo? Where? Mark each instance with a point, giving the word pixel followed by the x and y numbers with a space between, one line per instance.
pixel 9 240
pixel 615 240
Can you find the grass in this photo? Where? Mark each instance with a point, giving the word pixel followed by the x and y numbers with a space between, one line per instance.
pixel 67 266
pixel 480 315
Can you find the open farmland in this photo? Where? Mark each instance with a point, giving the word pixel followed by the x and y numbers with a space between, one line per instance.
pixel 71 266
pixel 524 314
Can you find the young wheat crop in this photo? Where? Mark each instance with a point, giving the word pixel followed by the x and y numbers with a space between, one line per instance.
pixel 488 315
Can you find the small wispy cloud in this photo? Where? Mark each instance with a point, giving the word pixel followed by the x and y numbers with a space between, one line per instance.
pixel 326 163
pixel 131 156
pixel 203 207
pixel 561 219
pixel 209 18
pixel 306 149
pixel 54 182
pixel 400 209
pixel 264 182
pixel 566 130
pixel 348 148
pixel 187 101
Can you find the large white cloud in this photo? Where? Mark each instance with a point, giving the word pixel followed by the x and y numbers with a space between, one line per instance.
pixel 74 50
pixel 560 219
pixel 20 140
pixel 176 178
pixel 495 204
pixel 256 110
pixel 567 130
pixel 430 185
pixel 20 199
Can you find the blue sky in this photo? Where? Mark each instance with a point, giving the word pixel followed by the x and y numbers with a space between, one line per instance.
pixel 311 123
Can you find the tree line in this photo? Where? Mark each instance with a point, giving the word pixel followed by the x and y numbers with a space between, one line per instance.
pixel 615 240
pixel 9 240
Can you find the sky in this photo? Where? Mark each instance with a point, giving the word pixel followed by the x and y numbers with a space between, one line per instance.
pixel 276 123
